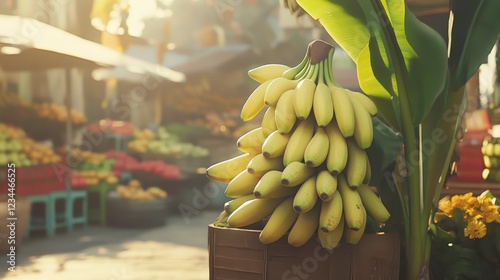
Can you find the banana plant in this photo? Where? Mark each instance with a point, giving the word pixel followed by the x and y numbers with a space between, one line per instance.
pixel 418 84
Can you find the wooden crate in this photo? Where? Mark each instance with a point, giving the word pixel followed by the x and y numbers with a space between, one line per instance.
pixel 238 254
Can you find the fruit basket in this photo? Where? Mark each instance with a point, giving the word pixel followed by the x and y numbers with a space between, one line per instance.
pixel 238 254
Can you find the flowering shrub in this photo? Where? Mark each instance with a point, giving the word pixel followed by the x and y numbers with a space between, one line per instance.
pixel 466 237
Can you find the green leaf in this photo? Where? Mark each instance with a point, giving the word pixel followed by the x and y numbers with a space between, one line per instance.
pixel 475 31
pixel 366 41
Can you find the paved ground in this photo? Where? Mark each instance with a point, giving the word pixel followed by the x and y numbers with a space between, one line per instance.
pixel 176 251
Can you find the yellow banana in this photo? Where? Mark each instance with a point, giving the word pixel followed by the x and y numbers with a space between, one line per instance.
pixel 281 220
pixel 255 102
pixel 323 105
pixel 275 144
pixel 352 236
pixel 299 139
pixel 355 170
pixel 251 142
pixel 259 165
pixel 252 211
pixel 317 149
pixel 306 196
pixel 353 206
pixel 268 121
pixel 336 158
pixel 226 170
pixel 303 99
pixel 363 130
pixel 344 111
pixel 232 205
pixel 330 240
pixel 267 72
pixel 368 175
pixel 364 100
pixel 242 184
pixel 285 115
pixel 269 186
pixel 304 227
pixel 276 88
pixel 373 204
pixel 326 185
pixel 331 213
pixel 295 174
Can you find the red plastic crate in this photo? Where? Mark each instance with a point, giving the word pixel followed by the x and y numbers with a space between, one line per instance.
pixel 40 187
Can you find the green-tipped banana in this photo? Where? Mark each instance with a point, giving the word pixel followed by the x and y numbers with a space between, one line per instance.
pixel 317 149
pixel 226 170
pixel 344 112
pixel 303 100
pixel 268 121
pixel 323 105
pixel 331 213
pixel 260 165
pixel 373 204
pixel 255 102
pixel 252 211
pixel 299 139
pixel 242 184
pixel 330 240
pixel 363 130
pixel 232 205
pixel 353 206
pixel 326 185
pixel 267 72
pixel 285 115
pixel 336 158
pixel 352 236
pixel 281 220
pixel 304 228
pixel 269 186
pixel 276 88
pixel 364 100
pixel 251 142
pixel 275 144
pixel 306 197
pixel 355 170
pixel 295 174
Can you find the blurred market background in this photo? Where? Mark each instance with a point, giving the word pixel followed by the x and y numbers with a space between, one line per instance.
pixel 113 109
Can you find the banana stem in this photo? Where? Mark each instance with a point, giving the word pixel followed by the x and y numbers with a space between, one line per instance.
pixel 330 79
pixel 291 73
pixel 303 72
pixel 329 64
pixel 310 71
pixel 321 72
pixel 315 73
pixel 319 51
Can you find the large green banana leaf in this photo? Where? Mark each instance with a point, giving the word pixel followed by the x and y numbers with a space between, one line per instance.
pixel 476 28
pixel 383 46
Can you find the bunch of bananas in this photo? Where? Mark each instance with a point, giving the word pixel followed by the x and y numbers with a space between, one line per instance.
pixel 305 170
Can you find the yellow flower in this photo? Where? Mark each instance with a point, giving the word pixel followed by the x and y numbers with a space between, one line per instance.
pixel 491 214
pixel 475 229
pixel 461 201
pixel 445 206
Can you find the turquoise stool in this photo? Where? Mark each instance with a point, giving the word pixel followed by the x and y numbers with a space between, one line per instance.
pixel 98 214
pixel 45 223
pixel 52 219
pixel 60 219
pixel 74 196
